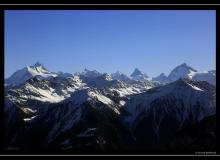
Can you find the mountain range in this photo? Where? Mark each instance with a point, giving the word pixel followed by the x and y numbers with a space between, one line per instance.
pixel 90 110
pixel 181 71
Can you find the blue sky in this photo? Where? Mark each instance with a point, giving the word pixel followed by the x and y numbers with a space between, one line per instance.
pixel 69 41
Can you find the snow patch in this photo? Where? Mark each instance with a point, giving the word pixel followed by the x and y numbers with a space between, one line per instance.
pixel 194 87
pixel 101 98
pixel 122 103
pixel 29 119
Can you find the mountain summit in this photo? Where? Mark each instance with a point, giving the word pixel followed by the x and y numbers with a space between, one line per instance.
pixel 137 72
pixel 120 76
pixel 28 72
pixel 181 71
pixel 37 64
pixel 139 75
pixel 93 110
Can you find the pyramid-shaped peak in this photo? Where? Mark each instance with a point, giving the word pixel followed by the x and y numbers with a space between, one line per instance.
pixel 184 65
pixel 38 66
pixel 181 71
pixel 137 72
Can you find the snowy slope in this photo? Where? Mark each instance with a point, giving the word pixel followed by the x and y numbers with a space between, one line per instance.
pixel 61 109
pixel 60 88
pixel 185 71
pixel 208 76
pixel 181 71
pixel 182 94
pixel 28 72
pixel 51 90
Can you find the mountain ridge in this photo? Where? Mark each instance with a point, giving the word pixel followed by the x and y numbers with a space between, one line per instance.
pixel 181 71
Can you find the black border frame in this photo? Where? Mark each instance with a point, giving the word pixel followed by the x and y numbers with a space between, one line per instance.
pixel 102 7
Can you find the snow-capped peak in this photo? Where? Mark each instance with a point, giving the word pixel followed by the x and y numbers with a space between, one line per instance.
pixel 37 68
pixel 181 71
pixel 139 75
pixel 89 73
pixel 137 72
pixel 28 72
pixel 37 64
pixel 120 76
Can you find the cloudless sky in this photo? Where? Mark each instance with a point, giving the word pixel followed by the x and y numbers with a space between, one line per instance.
pixel 109 40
